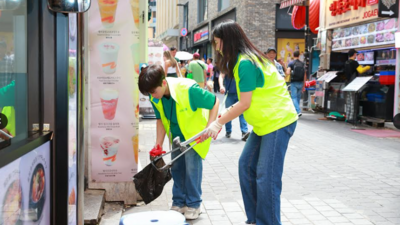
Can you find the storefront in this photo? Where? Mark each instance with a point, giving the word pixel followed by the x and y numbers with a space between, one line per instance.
pixel 201 42
pixel 359 27
pixel 41 161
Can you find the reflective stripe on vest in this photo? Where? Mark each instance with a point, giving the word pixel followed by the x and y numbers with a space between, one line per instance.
pixel 271 105
pixel 190 122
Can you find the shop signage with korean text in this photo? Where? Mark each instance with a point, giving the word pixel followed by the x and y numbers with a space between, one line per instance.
pixel 200 35
pixel 372 2
pixel 341 13
pixel 366 35
pixel 388 8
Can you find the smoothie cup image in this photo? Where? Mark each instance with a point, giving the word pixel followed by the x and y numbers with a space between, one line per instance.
pixel 135 56
pixel 135 143
pixel 109 102
pixel 135 12
pixel 108 56
pixel 109 145
pixel 107 12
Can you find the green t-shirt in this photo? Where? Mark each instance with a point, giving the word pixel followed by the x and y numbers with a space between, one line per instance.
pixel 198 98
pixel 197 70
pixel 251 76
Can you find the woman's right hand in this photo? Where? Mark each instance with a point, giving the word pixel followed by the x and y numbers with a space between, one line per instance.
pixel 222 90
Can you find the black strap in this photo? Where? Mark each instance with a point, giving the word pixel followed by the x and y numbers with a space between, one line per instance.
pixel 200 65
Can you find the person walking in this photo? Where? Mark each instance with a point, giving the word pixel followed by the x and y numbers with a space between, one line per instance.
pixel 171 66
pixel 173 51
pixel 181 107
pixel 266 105
pixel 271 55
pixel 198 69
pixel 298 75
pixel 216 73
pixel 228 87
pixel 210 69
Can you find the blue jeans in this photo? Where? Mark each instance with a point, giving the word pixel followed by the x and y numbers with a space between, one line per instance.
pixel 296 89
pixel 231 99
pixel 187 173
pixel 260 174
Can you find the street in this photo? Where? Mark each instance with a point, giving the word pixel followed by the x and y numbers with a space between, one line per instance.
pixel 332 176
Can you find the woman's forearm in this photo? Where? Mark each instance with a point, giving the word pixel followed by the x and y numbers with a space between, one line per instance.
pixel 235 111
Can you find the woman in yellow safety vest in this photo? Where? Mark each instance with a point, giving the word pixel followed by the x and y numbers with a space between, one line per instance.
pixel 267 106
pixel 183 109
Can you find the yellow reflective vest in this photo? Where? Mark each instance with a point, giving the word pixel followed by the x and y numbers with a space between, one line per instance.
pixel 271 105
pixel 190 122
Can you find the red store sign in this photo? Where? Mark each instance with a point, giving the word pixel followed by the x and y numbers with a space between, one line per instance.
pixel 341 13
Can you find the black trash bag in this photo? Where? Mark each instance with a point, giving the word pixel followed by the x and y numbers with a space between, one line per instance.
pixel 150 182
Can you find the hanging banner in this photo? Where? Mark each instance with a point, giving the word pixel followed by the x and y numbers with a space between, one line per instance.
pixel 114 68
pixel 155 56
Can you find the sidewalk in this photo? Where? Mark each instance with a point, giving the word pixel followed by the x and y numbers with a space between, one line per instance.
pixel 332 176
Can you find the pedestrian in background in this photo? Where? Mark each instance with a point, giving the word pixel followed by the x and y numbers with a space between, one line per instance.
pixel 171 66
pixel 210 68
pixel 298 75
pixel 198 70
pixel 216 73
pixel 271 55
pixel 228 87
pixel 173 51
pixel 267 106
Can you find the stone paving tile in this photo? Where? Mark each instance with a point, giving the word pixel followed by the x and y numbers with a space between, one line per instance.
pixel 332 176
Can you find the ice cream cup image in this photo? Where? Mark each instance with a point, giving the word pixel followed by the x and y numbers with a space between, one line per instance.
pixel 107 12
pixel 135 12
pixel 109 102
pixel 108 56
pixel 135 56
pixel 135 143
pixel 109 145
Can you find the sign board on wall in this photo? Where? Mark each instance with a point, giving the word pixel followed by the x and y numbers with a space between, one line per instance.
pixel 346 12
pixel 114 95
pixel 370 34
pixel 286 47
pixel 200 35
pixel 388 8
pixel 25 193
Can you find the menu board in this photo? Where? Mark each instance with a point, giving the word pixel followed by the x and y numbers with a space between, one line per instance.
pixel 25 189
pixel 366 35
pixel 386 57
pixel 72 120
pixel 114 95
pixel 365 58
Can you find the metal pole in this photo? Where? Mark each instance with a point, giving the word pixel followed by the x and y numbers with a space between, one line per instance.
pixel 397 83
pixel 81 112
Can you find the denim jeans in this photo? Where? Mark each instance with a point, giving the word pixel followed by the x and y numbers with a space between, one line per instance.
pixel 296 89
pixel 260 175
pixel 187 173
pixel 231 99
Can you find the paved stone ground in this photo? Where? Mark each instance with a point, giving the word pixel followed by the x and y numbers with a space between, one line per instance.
pixel 332 176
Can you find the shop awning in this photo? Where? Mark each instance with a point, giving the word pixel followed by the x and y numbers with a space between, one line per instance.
pixel 288 3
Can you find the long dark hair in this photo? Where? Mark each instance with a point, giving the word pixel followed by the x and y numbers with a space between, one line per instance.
pixel 234 41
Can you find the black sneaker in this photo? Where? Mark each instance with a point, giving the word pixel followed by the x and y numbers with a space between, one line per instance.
pixel 228 135
pixel 245 136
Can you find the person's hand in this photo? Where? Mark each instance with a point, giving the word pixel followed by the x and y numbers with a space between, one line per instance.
pixel 2 136
pixel 303 89
pixel 214 129
pixel 222 90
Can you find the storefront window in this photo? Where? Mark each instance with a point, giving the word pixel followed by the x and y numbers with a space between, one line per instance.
pixel 223 4
pixel 13 71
